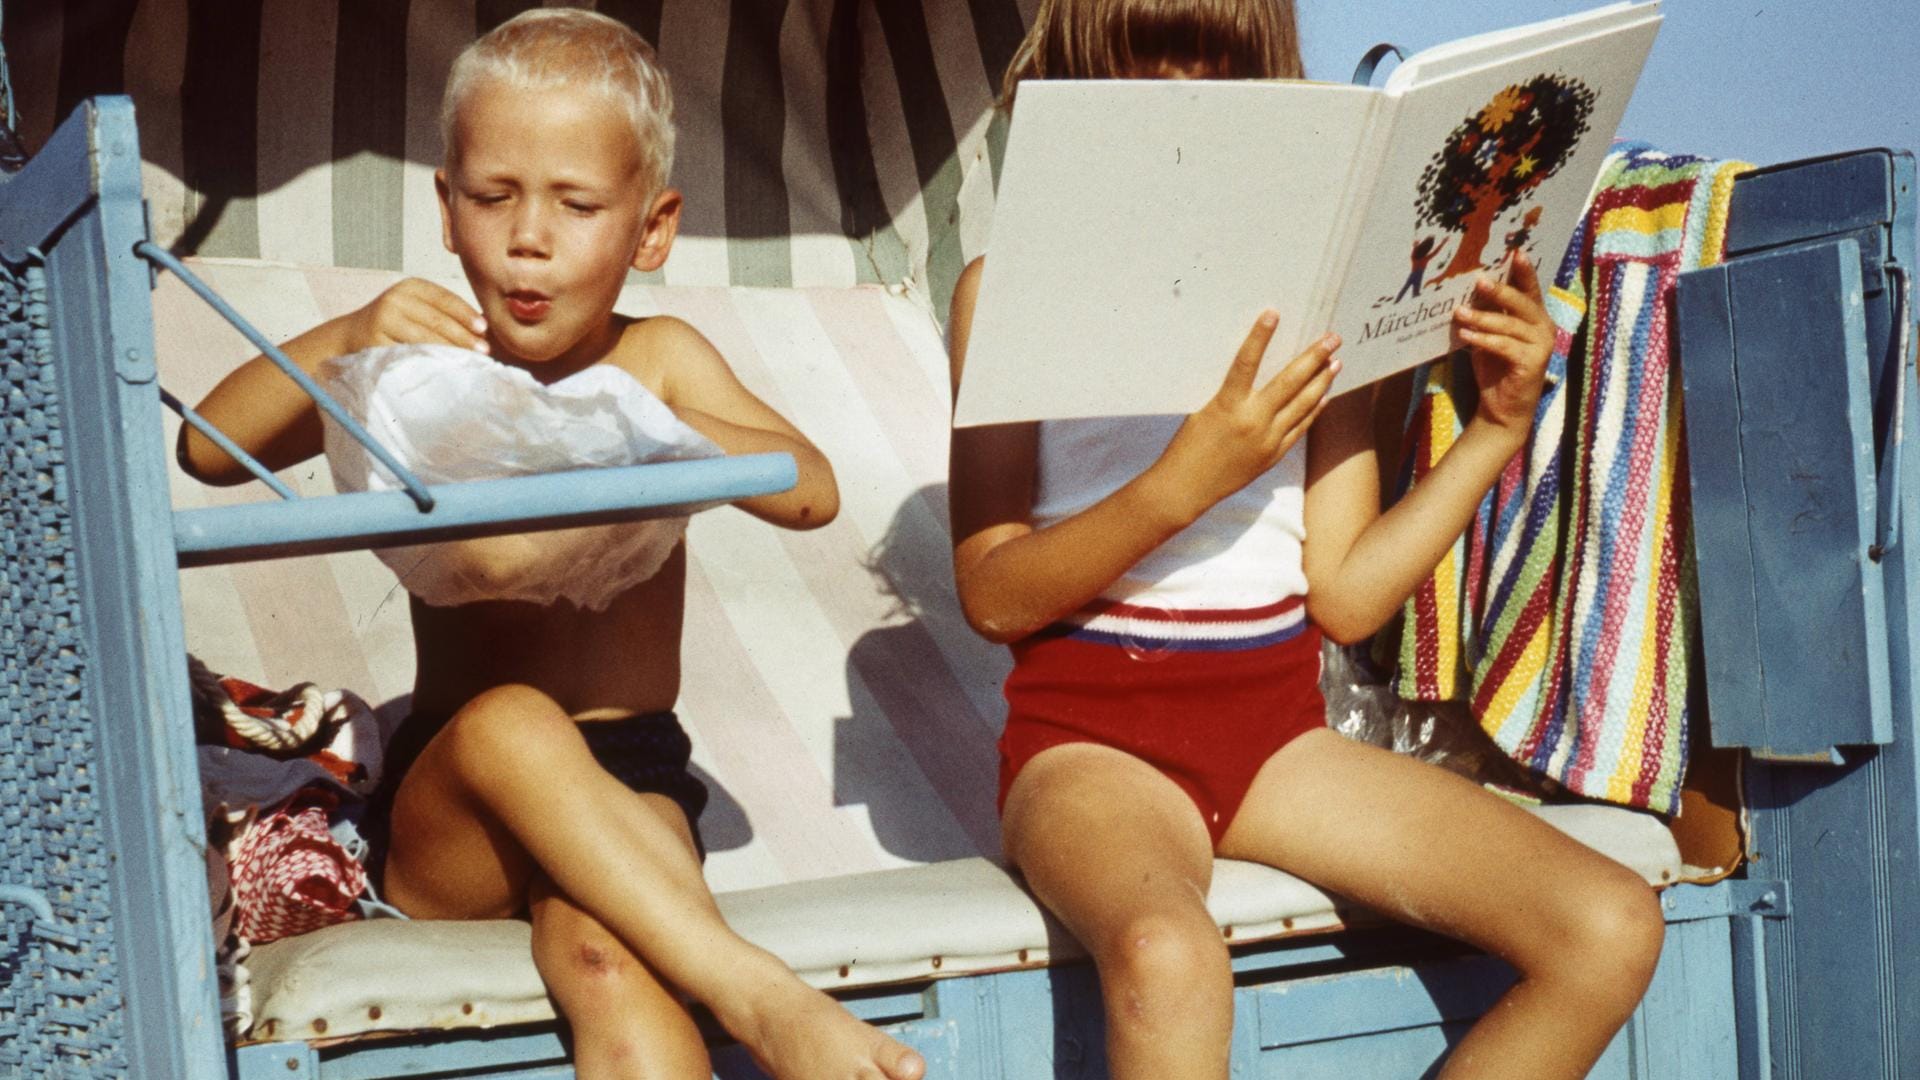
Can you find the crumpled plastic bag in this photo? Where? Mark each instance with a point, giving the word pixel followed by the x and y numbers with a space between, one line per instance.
pixel 1362 706
pixel 452 415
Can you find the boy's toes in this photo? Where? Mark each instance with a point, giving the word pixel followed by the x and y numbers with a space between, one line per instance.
pixel 900 1062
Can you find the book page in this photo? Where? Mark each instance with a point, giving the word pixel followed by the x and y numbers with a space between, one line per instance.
pixel 1465 54
pixel 1141 227
pixel 1482 163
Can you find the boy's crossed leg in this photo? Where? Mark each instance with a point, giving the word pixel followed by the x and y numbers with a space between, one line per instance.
pixel 508 789
pixel 1430 848
pixel 626 1021
pixel 1117 852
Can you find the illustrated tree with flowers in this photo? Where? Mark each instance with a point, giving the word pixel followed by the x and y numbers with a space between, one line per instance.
pixel 1497 157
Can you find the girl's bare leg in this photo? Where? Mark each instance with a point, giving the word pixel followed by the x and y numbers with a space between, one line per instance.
pixel 627 1024
pixel 1118 853
pixel 509 786
pixel 1430 848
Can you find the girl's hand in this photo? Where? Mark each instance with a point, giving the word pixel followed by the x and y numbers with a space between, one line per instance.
pixel 1245 431
pixel 416 312
pixel 1510 337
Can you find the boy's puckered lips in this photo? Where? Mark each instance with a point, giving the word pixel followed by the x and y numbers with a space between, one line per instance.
pixel 528 305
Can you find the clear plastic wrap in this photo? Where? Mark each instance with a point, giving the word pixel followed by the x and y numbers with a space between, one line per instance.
pixel 452 415
pixel 1362 706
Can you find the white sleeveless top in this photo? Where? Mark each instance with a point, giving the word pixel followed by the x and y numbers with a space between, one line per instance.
pixel 1244 553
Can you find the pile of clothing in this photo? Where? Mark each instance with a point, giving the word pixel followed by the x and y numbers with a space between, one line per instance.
pixel 284 778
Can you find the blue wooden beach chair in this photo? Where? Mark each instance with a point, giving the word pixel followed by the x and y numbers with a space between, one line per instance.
pixel 1799 361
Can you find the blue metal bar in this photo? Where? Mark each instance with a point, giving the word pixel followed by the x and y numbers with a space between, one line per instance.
pixel 474 508
pixel 232 449
pixel 417 490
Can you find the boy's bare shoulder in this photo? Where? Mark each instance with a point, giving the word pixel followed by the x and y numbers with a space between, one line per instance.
pixel 665 353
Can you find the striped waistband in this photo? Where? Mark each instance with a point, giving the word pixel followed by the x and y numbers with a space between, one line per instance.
pixel 1186 630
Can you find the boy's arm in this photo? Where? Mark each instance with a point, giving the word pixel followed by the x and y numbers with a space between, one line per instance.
pixel 703 390
pixel 270 417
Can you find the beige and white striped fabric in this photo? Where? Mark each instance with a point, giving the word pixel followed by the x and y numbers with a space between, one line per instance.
pixel 822 142
pixel 840 708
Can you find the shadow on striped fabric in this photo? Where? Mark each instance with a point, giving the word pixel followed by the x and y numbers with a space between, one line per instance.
pixel 822 142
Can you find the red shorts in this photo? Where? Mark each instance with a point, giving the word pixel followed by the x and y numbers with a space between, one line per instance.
pixel 1206 711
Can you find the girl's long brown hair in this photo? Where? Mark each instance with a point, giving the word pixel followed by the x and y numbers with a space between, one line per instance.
pixel 1112 39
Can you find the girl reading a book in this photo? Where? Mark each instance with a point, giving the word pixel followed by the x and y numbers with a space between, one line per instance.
pixel 1164 584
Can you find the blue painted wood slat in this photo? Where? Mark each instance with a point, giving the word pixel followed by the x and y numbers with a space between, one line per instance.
pixel 1807 464
pixel 1729 614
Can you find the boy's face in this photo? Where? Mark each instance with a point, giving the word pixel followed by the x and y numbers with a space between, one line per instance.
pixel 543 200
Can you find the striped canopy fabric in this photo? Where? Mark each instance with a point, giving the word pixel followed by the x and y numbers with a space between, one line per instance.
pixel 822 142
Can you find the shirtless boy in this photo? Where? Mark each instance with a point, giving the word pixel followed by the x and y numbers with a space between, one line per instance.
pixel 542 771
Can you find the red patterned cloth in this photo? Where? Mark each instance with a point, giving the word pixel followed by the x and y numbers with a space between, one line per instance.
pixel 290 875
pixel 334 729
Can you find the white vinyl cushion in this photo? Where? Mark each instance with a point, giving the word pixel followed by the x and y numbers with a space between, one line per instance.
pixel 959 917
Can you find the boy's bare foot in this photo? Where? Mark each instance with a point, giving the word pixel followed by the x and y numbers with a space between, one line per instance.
pixel 798 1033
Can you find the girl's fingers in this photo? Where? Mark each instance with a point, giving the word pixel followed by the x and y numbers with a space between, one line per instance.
pixel 1308 397
pixel 1514 351
pixel 1493 322
pixel 1246 362
pixel 1299 430
pixel 1312 362
pixel 1526 278
pixel 1492 295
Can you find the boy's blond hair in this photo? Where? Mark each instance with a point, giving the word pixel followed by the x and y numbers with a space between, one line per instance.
pixel 1115 39
pixel 547 48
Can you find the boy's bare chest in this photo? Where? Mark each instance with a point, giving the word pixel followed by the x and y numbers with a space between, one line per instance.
pixel 596 665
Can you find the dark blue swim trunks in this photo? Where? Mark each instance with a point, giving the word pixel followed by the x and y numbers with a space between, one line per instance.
pixel 649 753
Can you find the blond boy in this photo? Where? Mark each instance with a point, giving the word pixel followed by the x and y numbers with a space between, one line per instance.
pixel 542 771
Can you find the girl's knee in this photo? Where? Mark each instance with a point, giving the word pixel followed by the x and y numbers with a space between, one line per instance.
pixel 1629 920
pixel 1172 952
pixel 1610 936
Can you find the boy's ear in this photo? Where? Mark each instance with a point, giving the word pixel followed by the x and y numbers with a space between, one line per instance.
pixel 445 191
pixel 662 226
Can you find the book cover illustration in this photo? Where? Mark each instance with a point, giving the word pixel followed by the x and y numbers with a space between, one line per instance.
pixel 1485 164
pixel 1491 164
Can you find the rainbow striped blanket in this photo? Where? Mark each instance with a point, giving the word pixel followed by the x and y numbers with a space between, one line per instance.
pixel 1567 615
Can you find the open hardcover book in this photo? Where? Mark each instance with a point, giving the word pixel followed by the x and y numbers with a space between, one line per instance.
pixel 1142 225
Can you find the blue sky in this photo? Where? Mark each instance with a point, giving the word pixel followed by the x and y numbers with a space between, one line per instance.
pixel 1762 80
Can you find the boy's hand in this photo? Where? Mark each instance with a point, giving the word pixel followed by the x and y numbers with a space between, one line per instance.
pixel 1244 430
pixel 1510 337
pixel 417 312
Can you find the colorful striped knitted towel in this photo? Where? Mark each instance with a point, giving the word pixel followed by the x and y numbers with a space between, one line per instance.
pixel 1568 613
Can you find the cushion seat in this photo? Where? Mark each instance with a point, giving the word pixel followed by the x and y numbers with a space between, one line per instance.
pixel 958 917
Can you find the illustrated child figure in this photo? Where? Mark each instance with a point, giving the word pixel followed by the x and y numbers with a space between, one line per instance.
pixel 1164 583
pixel 1425 250
pixel 542 772
pixel 1516 241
